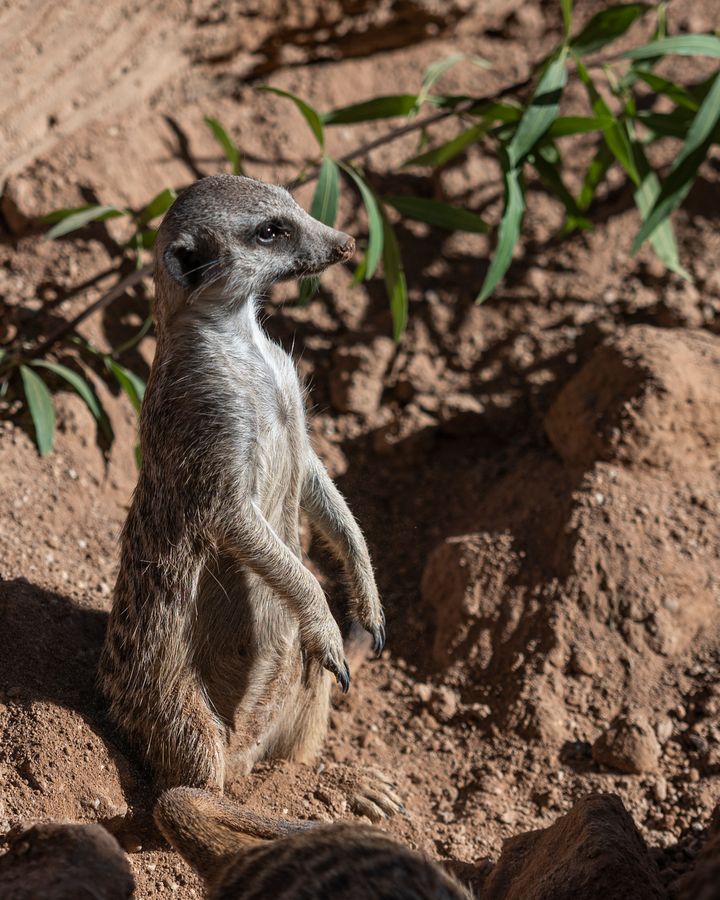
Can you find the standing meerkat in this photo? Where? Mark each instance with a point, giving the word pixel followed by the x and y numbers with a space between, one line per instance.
pixel 217 629
pixel 242 856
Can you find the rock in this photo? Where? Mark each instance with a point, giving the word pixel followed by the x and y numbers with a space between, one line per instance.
pixel 649 395
pixel 356 379
pixel 595 852
pixel 629 745
pixel 444 703
pixel 18 205
pixel 58 861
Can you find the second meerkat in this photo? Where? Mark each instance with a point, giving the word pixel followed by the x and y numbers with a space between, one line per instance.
pixel 217 627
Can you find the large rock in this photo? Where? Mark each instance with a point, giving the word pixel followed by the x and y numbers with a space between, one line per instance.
pixel 649 395
pixel 629 745
pixel 595 852
pixel 65 862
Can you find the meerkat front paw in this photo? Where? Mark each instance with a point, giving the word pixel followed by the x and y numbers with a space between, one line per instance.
pixel 323 642
pixel 368 612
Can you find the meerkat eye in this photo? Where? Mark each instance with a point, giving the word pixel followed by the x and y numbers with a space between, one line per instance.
pixel 268 231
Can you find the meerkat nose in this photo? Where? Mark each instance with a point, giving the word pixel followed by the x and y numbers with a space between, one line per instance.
pixel 347 247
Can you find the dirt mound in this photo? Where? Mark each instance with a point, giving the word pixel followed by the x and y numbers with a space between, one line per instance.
pixel 582 587
pixel 648 396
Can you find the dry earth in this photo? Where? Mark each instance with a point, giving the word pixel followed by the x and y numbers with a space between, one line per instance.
pixel 537 477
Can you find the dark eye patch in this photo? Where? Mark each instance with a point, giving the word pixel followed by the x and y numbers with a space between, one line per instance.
pixel 268 232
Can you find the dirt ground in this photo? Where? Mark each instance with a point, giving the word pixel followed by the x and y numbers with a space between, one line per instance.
pixel 537 478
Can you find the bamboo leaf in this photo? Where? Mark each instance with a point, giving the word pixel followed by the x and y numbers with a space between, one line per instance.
pixel 542 110
pixel 395 284
pixel 547 161
pixel 614 133
pixel 685 168
pixel 131 384
pixel 227 144
pixel 308 288
pixel 41 409
pixel 311 116
pixel 437 213
pixel 509 230
pixel 567 18
pixel 375 226
pixel 324 204
pixel 71 219
pixel 663 238
pixel 565 125
pixel 607 26
pixel 386 107
pixel 438 156
pixel 82 388
pixel 595 173
pixel 158 206
pixel 436 70
pixel 682 45
pixel 675 92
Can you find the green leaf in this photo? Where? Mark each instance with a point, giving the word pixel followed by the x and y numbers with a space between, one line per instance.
pixel 663 238
pixel 131 384
pixel 158 206
pixel 675 92
pixel 437 213
pixel 509 229
pixel 325 199
pixel 548 162
pixel 41 409
pixel 387 107
pixel 311 116
pixel 685 168
pixel 613 131
pixel 395 284
pixel 565 125
pixel 375 226
pixel 71 219
pixel 226 143
pixel 136 338
pixel 682 45
pixel 433 72
pixel 542 110
pixel 567 18
pixel 308 288
pixel 607 26
pixel 596 171
pixel 674 124
pixel 438 156
pixel 82 388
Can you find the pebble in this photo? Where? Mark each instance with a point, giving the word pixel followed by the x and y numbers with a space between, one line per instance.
pixel 660 790
pixel 629 745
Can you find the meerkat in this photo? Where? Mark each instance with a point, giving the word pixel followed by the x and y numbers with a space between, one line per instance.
pixel 218 630
pixel 242 856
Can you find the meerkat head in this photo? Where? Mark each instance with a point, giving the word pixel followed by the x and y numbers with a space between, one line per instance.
pixel 227 238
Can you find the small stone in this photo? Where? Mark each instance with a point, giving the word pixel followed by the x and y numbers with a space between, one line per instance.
pixel 660 790
pixel 423 692
pixel 583 662
pixel 664 729
pixel 444 703
pixel 130 842
pixel 629 745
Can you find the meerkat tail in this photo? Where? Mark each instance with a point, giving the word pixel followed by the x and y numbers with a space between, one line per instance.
pixel 208 829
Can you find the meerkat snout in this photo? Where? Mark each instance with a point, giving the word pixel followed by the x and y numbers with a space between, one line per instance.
pixel 229 236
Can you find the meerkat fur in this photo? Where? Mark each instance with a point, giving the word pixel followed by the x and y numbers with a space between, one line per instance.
pixel 218 632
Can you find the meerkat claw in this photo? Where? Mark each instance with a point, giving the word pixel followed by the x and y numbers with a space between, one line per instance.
pixel 378 634
pixel 341 676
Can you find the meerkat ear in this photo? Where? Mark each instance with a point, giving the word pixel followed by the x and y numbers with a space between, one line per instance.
pixel 186 264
